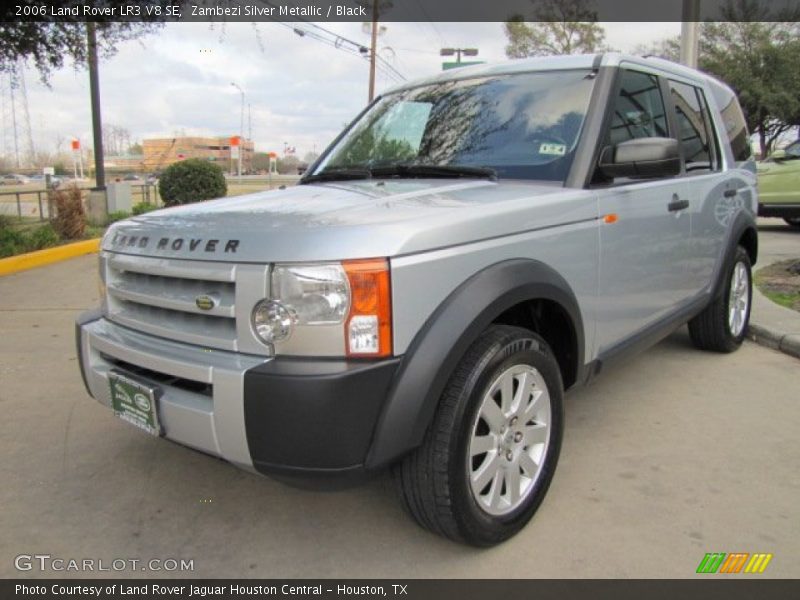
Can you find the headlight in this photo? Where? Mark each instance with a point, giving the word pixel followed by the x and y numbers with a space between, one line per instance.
pixel 317 294
pixel 301 295
pixel 272 321
pixel 355 295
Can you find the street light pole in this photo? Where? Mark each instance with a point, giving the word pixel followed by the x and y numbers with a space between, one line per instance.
pixel 241 130
pixel 458 52
pixel 94 92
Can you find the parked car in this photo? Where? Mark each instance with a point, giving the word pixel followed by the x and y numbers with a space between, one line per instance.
pixel 472 246
pixel 15 179
pixel 132 177
pixel 779 185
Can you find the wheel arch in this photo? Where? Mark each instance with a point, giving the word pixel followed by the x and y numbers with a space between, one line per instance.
pixel 742 232
pixel 524 292
pixel 748 239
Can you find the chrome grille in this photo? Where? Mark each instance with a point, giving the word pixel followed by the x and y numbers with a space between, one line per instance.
pixel 158 296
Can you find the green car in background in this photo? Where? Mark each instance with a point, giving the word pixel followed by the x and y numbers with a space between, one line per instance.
pixel 779 185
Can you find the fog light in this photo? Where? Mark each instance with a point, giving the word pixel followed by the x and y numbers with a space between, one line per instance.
pixel 272 321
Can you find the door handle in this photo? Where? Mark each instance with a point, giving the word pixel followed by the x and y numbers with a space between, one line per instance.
pixel 730 193
pixel 677 204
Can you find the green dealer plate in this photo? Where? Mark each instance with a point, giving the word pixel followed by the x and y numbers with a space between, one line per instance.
pixel 135 401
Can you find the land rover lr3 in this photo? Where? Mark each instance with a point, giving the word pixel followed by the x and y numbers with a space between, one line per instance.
pixel 471 246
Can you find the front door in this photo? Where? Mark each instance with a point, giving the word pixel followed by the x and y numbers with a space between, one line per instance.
pixel 645 227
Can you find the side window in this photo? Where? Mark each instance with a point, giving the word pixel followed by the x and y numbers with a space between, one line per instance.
pixel 639 109
pixel 735 124
pixel 695 128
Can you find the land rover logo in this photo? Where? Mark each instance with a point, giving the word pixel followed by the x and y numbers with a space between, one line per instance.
pixel 142 402
pixel 205 302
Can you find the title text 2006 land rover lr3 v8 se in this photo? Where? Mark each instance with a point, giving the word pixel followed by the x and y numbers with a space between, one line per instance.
pixel 470 247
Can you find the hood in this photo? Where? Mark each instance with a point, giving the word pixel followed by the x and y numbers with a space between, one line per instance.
pixel 346 220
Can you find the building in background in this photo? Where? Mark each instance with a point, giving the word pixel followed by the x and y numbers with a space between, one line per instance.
pixel 129 163
pixel 160 153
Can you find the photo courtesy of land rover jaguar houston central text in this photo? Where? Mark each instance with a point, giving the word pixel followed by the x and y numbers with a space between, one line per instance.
pixel 470 247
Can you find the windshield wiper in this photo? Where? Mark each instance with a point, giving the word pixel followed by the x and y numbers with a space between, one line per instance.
pixel 338 174
pixel 408 170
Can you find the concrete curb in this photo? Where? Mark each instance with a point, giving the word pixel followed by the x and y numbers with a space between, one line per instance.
pixel 784 342
pixel 31 260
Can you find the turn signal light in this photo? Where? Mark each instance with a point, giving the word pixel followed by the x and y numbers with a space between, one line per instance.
pixel 368 327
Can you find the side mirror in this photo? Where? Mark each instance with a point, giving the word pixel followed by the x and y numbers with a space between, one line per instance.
pixel 642 157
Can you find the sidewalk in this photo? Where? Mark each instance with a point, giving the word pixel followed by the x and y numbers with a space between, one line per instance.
pixel 774 326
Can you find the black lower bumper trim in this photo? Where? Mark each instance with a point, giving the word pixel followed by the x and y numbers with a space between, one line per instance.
pixel 779 210
pixel 314 419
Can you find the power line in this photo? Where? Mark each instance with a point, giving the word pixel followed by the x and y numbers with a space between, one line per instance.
pixel 431 23
pixel 337 38
pixel 343 44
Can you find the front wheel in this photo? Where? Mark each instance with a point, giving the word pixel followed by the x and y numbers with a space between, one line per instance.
pixel 721 327
pixel 793 222
pixel 489 455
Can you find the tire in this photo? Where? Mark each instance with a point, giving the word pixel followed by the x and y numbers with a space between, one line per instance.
pixel 793 222
pixel 715 328
pixel 435 482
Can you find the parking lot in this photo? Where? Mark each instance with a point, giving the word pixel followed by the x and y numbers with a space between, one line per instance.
pixel 673 455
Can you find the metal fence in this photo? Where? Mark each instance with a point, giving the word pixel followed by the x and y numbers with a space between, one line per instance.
pixel 36 203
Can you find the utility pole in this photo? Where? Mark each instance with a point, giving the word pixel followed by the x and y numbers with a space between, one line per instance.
pixel 97 123
pixel 690 32
pixel 373 49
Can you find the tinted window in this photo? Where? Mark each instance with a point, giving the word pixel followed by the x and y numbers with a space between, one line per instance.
pixel 639 109
pixel 523 126
pixel 735 124
pixel 694 127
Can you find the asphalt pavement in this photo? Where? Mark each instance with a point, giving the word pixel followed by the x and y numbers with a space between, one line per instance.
pixel 673 455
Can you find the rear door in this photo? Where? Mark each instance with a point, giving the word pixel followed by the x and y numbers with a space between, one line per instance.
pixel 713 195
pixel 644 229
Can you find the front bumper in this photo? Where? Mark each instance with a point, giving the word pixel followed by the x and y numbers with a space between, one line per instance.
pixel 288 417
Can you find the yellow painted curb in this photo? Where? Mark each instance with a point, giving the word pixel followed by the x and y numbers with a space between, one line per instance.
pixel 40 258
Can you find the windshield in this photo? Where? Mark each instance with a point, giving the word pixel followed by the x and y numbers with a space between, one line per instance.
pixel 522 126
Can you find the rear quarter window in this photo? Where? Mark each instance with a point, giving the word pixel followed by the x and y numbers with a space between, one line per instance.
pixel 734 123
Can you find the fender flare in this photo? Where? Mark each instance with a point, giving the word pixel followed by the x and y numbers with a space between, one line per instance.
pixel 444 339
pixel 741 224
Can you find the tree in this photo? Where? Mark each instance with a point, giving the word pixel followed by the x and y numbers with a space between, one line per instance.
pixel 668 48
pixel 47 43
pixel 761 62
pixel 135 149
pixel 560 27
pixel 288 164
pixel 116 139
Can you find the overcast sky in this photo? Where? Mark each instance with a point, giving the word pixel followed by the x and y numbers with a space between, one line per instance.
pixel 300 91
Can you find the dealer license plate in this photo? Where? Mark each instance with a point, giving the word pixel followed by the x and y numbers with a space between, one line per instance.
pixel 135 401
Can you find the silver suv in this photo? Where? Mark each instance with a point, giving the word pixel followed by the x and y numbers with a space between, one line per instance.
pixel 469 248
